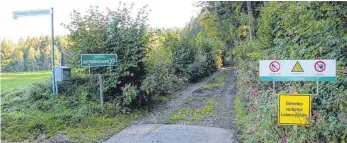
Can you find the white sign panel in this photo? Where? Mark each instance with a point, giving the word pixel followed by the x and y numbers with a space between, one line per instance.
pixel 297 70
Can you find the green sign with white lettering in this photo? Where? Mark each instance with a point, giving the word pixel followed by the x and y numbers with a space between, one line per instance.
pixel 98 60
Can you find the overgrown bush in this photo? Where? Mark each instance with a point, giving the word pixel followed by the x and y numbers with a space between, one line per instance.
pixel 197 57
pixel 36 112
pixel 161 79
pixel 124 35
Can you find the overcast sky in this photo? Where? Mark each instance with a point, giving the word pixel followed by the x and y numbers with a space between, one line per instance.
pixel 171 13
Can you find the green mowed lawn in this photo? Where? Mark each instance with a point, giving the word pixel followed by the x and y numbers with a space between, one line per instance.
pixel 20 80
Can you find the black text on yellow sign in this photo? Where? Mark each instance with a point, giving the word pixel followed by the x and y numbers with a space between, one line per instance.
pixel 294 109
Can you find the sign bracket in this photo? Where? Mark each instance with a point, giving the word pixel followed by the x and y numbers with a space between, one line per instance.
pixel 317 89
pixel 98 60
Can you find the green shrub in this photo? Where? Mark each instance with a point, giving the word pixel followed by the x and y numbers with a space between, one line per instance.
pixel 160 81
pixel 125 36
pixel 129 94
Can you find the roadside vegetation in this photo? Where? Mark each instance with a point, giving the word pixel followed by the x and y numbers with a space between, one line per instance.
pixel 152 64
pixel 284 30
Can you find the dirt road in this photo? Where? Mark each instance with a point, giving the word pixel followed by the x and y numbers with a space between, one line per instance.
pixel 203 112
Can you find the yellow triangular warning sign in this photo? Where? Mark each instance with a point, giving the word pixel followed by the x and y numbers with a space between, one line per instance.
pixel 297 67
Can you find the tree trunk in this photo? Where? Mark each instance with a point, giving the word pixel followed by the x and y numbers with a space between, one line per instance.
pixel 250 19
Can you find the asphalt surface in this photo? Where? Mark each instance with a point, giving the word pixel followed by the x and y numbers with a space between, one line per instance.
pixel 161 133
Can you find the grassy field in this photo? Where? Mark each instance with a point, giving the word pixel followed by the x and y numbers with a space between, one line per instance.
pixel 20 80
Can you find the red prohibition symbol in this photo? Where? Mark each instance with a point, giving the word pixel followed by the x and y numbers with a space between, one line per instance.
pixel 275 66
pixel 319 66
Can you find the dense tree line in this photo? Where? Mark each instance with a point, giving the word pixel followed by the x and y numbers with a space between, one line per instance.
pixel 30 54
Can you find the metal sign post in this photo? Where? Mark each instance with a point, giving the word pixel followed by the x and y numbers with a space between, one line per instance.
pixel 16 14
pixel 101 91
pixel 54 83
pixel 295 109
pixel 99 60
pixel 297 70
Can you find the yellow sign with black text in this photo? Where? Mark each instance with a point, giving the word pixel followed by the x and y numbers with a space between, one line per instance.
pixel 294 109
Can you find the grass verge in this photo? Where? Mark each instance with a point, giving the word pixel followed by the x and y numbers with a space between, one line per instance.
pixel 95 128
pixel 28 125
pixel 192 114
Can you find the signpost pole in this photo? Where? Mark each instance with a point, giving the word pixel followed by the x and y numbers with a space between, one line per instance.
pixel 317 87
pixel 101 92
pixel 273 87
pixel 56 88
pixel 52 46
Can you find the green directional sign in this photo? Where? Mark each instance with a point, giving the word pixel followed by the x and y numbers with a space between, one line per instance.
pixel 98 60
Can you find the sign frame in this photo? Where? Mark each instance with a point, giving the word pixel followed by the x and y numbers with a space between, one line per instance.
pixel 295 95
pixel 285 70
pixel 116 60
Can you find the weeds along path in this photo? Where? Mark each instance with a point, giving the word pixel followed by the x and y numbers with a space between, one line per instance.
pixel 162 112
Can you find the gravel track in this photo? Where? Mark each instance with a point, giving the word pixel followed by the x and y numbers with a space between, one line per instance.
pixel 223 117
pixel 162 112
pixel 215 125
pixel 194 97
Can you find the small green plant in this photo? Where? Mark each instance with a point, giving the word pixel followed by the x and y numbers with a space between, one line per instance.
pixel 129 93
pixel 221 78
pixel 83 97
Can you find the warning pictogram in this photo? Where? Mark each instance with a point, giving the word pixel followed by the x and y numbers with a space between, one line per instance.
pixel 319 66
pixel 297 67
pixel 275 66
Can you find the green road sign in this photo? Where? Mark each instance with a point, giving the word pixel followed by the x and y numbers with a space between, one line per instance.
pixel 98 60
